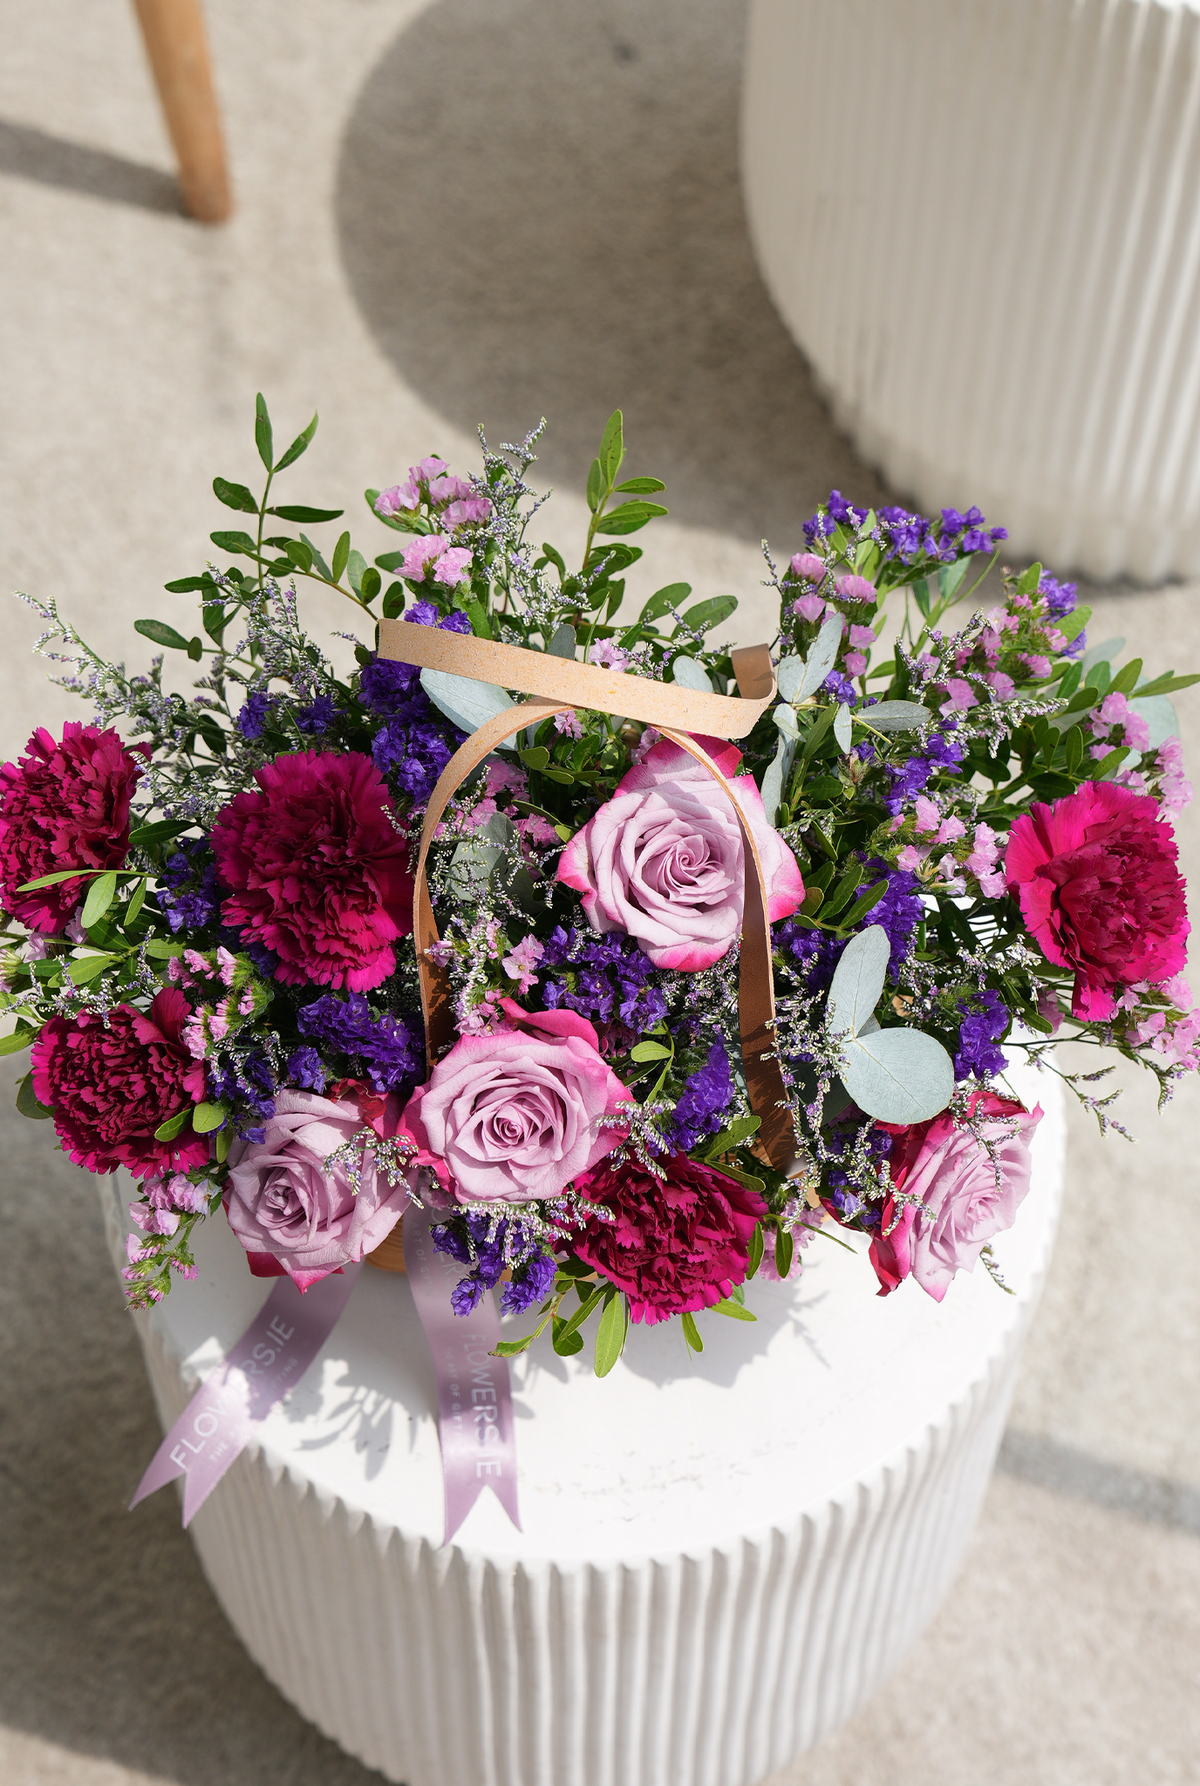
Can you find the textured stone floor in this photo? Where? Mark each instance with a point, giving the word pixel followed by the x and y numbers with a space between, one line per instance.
pixel 486 211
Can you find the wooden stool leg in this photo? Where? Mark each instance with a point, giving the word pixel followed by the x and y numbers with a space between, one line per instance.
pixel 178 50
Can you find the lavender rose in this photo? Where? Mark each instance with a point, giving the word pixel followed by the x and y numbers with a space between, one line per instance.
pixel 294 1207
pixel 663 859
pixel 514 1115
pixel 969 1194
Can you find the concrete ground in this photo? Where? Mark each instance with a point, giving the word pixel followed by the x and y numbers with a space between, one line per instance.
pixel 487 210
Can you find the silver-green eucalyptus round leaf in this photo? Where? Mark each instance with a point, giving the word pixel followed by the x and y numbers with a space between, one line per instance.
pixel 1159 714
pixel 858 980
pixel 466 704
pixel 689 674
pixel 563 642
pixel 822 657
pixel 785 718
pixel 898 1075
pixel 775 779
pixel 841 727
pixel 897 716
pixel 1102 653
pixel 789 676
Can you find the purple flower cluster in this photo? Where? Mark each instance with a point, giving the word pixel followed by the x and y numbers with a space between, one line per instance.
pixel 252 719
pixel 415 742
pixel 190 892
pixel 911 536
pixel 981 1029
pixel 911 778
pixel 703 1101
pixel 389 1048
pixel 243 1081
pixel 610 979
pixel 318 716
pixel 813 955
pixel 1060 601
pixel 491 1247
pixel 845 1191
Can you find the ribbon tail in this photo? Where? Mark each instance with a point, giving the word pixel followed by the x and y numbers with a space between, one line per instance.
pixel 268 1361
pixel 475 1415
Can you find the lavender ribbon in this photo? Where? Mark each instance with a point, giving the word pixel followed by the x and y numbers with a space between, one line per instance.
pixel 269 1359
pixel 475 1416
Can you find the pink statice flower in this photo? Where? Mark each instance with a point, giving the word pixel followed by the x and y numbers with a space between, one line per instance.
pixel 808 566
pixel 959 696
pixel 928 813
pixel 1003 687
pixel 568 724
pixel 854 589
pixel 911 858
pixel 1175 789
pixel 983 862
pixel 855 663
pixel 608 655
pixel 434 553
pixel 862 637
pixel 398 499
pixel 809 607
pixel 520 963
pixel 1036 664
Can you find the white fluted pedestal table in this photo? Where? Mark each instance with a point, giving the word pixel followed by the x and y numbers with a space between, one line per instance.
pixel 721 1558
pixel 981 222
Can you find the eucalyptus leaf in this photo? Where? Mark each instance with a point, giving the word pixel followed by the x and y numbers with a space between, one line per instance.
pixel 689 674
pixel 789 676
pixel 858 981
pixel 822 656
pixel 1102 653
pixel 896 716
pixel 562 644
pixel 1159 714
pixel 466 703
pixel 841 727
pixel 785 718
pixel 775 780
pixel 898 1075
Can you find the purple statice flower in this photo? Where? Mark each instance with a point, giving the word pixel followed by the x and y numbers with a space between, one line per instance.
pixel 980 1031
pixel 189 892
pixel 909 534
pixel 242 1080
pixel 819 527
pixel 962 534
pixel 529 1286
pixel 252 719
pixel 840 687
pixel 845 512
pixel 416 741
pixel 703 1101
pixel 942 751
pixel 611 979
pixel 813 955
pixel 845 1191
pixel 389 1048
pixel 467 1294
pixel 306 1070
pixel 1060 597
pixel 318 716
pixel 413 755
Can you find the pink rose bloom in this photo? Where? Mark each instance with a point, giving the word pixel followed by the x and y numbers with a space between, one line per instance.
pixel 65 805
pixel 854 589
pixel 112 1081
pixel 296 1210
pixel 1099 888
pixel 512 1116
pixel 808 566
pixel 317 871
pixel 663 859
pixel 955 1179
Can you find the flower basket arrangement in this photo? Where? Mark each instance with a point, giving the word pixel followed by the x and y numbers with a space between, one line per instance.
pixel 626 965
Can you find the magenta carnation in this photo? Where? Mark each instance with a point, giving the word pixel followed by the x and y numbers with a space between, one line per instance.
pixel 1099 888
pixel 112 1081
pixel 319 873
pixel 677 1244
pixel 64 805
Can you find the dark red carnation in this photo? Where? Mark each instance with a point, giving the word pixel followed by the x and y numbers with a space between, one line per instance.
pixel 110 1088
pixel 1099 888
pixel 63 806
pixel 318 872
pixel 679 1243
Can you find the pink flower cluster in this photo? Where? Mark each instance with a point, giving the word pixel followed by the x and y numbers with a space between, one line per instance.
pixel 209 1024
pixel 430 481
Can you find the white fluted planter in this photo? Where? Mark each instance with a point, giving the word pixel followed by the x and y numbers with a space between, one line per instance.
pixel 721 1559
pixel 980 219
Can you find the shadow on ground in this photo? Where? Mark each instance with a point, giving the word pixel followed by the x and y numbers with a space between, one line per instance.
pixel 539 214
